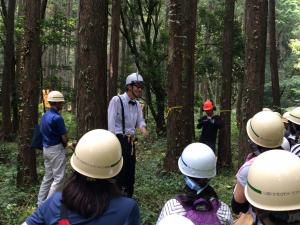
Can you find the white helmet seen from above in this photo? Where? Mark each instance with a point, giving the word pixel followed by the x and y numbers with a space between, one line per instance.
pixel 134 78
pixel 98 154
pixel 175 219
pixel 198 160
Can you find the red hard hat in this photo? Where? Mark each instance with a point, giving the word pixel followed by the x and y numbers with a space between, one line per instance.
pixel 207 105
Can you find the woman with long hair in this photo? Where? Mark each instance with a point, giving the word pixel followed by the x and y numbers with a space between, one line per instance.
pixel 90 196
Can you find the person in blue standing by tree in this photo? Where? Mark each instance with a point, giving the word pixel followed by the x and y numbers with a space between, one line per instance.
pixel 124 117
pixel 55 139
pixel 90 196
pixel 210 125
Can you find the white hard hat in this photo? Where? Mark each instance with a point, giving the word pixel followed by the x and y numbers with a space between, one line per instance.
pixel 274 181
pixel 294 115
pixel 98 154
pixel 285 145
pixel 284 117
pixel 265 129
pixel 175 219
pixel 198 160
pixel 134 78
pixel 55 96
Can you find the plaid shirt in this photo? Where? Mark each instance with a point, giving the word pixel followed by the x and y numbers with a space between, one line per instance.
pixel 174 207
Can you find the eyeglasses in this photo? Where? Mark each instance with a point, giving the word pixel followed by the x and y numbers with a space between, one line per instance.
pixel 139 86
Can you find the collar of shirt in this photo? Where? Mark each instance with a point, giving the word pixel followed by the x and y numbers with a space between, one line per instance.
pixel 129 100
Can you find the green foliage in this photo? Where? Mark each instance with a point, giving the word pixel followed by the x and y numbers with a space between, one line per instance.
pixel 58 28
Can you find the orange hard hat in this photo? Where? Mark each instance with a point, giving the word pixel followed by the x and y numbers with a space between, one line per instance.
pixel 207 105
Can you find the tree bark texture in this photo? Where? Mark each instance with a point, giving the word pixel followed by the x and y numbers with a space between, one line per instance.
pixel 175 138
pixel 224 148
pixel 114 49
pixel 9 68
pixel 255 53
pixel 29 92
pixel 92 59
pixel 273 56
pixel 189 29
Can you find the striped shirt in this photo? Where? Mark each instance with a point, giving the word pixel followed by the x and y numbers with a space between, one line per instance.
pixel 174 207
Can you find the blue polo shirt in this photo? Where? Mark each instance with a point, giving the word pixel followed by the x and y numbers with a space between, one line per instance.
pixel 52 128
pixel 120 211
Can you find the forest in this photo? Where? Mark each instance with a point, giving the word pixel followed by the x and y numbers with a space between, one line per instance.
pixel 244 55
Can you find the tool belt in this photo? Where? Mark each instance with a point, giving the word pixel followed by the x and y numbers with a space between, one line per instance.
pixel 131 139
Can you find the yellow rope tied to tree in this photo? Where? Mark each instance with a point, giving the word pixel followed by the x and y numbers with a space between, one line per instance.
pixel 170 109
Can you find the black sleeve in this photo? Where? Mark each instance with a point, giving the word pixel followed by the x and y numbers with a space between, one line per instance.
pixel 201 121
pixel 218 121
pixel 239 207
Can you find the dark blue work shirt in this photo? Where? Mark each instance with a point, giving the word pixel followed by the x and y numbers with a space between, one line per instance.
pixel 52 128
pixel 120 211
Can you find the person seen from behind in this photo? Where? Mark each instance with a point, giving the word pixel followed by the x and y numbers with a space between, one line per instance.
pixel 124 117
pixel 273 188
pixel 210 125
pixel 90 196
pixel 293 118
pixel 265 132
pixel 55 139
pixel 199 202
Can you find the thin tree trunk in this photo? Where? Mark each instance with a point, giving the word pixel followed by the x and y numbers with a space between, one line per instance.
pixel 9 68
pixel 224 148
pixel 273 57
pixel 114 49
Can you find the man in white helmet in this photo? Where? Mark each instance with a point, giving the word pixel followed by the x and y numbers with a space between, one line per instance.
pixel 55 139
pixel 124 117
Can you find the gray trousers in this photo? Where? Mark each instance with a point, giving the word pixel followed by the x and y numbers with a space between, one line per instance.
pixel 55 162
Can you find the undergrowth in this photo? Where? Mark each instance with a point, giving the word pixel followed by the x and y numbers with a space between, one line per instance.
pixel 153 186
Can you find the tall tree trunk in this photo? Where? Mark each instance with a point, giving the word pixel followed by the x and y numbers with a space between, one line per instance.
pixel 9 68
pixel 114 49
pixel 189 74
pixel 29 86
pixel 224 149
pixel 91 90
pixel 273 57
pixel 16 86
pixel 175 138
pixel 255 53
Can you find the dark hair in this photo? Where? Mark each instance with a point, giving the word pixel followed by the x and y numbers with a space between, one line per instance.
pixel 88 197
pixel 190 196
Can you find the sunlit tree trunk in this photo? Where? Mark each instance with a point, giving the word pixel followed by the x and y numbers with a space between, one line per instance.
pixel 224 148
pixel 92 77
pixel 255 53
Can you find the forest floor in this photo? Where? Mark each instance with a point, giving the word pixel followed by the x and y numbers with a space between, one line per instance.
pixel 153 186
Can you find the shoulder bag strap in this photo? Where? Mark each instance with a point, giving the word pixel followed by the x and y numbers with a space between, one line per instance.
pixel 123 116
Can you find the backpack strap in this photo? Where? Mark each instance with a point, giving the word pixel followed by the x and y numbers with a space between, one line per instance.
pixel 123 116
